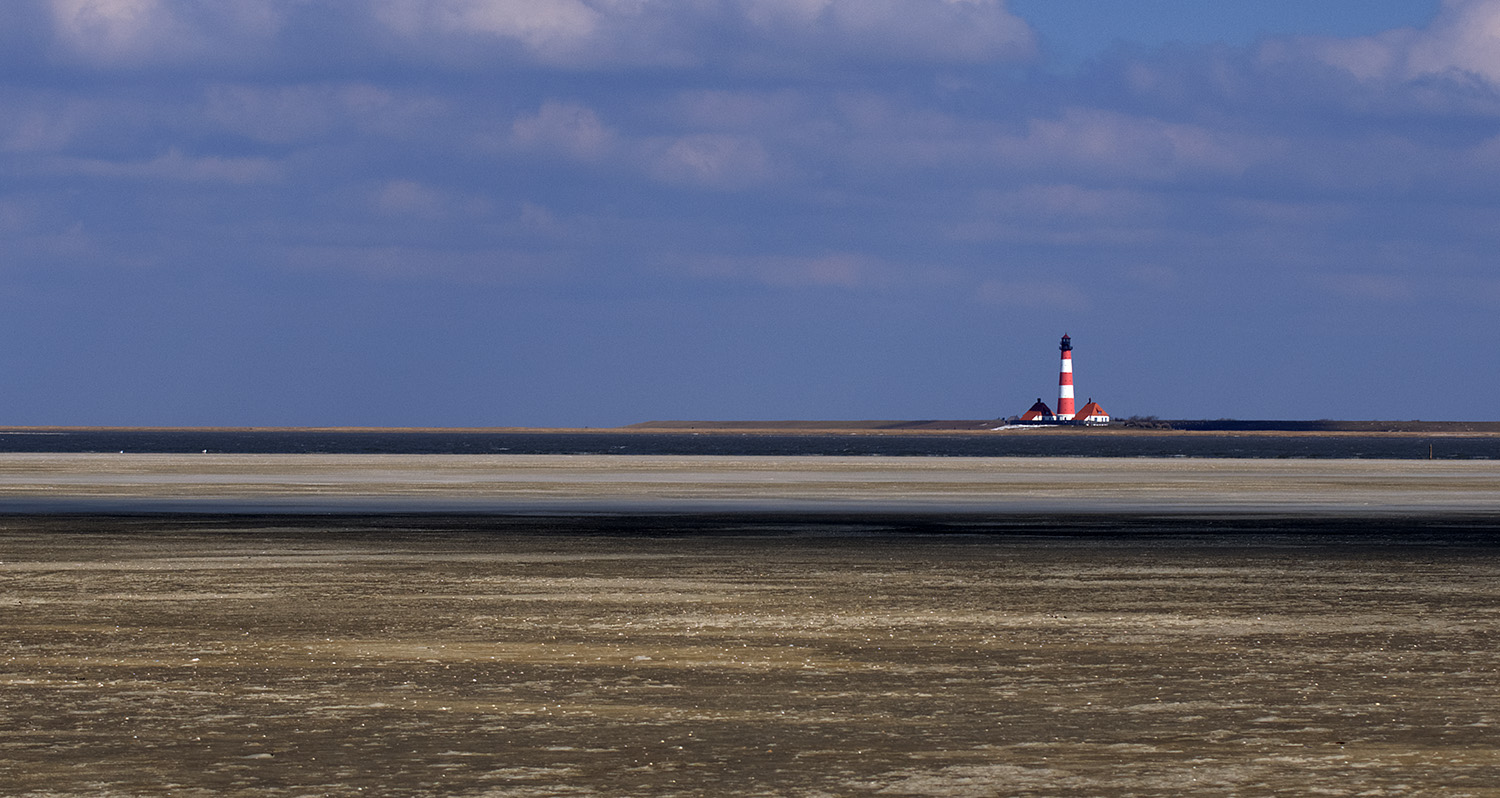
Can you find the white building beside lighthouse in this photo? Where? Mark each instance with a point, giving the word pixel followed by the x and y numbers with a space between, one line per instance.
pixel 1091 415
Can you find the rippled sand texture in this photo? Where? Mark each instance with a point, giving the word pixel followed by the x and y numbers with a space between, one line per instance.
pixel 326 660
pixel 520 483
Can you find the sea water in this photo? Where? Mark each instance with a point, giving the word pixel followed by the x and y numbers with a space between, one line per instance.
pixel 994 444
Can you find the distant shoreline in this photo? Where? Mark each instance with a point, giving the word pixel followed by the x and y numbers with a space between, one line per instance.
pixel 871 427
pixel 1149 427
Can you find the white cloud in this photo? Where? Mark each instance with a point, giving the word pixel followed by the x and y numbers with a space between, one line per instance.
pixel 539 220
pixel 552 30
pixel 485 266
pixel 536 22
pixel 567 128
pixel 726 110
pixel 37 129
pixel 833 270
pixel 273 114
pixel 174 166
pixel 1381 57
pixel 302 112
pixel 410 198
pixel 111 28
pixel 942 30
pixel 418 200
pixel 1464 38
pixel 1128 145
pixel 888 132
pixel 713 160
pixel 758 33
pixel 135 32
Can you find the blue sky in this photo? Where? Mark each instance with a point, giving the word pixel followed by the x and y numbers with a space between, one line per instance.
pixel 595 212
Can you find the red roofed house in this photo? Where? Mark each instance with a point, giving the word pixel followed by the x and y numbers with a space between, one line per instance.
pixel 1038 412
pixel 1091 414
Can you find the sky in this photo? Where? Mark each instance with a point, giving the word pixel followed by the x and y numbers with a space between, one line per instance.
pixel 598 212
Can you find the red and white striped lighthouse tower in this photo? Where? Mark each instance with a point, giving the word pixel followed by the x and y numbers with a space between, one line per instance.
pixel 1065 410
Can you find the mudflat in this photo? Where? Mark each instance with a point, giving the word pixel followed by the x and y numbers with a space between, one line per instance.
pixel 486 657
pixel 264 625
pixel 600 483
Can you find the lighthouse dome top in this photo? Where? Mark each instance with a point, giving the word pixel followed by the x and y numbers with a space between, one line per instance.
pixel 1067 343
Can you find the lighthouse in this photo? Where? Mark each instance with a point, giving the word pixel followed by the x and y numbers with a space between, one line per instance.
pixel 1065 409
pixel 1090 415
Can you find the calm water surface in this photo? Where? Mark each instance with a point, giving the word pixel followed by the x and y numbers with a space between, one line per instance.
pixel 997 444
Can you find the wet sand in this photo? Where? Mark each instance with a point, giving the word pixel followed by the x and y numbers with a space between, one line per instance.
pixel 768 626
pixel 501 484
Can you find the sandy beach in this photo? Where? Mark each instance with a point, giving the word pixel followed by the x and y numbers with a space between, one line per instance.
pixel 39 483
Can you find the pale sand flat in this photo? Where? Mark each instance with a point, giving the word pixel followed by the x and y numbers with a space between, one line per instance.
pixel 601 483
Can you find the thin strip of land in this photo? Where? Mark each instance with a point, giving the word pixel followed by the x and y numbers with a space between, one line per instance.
pixel 564 484
pixel 1120 427
pixel 1129 426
